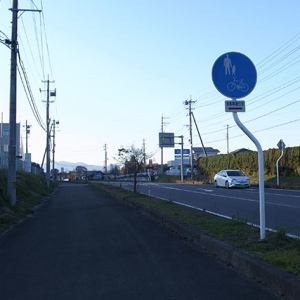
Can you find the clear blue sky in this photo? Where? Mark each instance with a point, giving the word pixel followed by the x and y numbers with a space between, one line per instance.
pixel 120 65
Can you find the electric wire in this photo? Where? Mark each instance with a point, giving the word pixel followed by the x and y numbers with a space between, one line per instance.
pixel 38 44
pixel 30 49
pixel 46 39
pixel 280 61
pixel 260 130
pixel 29 94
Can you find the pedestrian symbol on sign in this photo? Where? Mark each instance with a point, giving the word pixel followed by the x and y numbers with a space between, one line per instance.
pixel 227 64
pixel 234 75
pixel 236 83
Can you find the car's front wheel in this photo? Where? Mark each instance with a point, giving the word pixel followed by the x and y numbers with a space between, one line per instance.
pixel 227 185
pixel 216 184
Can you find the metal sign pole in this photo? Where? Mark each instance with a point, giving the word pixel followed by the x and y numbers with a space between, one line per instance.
pixel 181 164
pixel 261 175
pixel 281 146
pixel 234 76
pixel 181 158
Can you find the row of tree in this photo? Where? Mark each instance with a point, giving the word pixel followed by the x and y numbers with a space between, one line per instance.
pixel 248 162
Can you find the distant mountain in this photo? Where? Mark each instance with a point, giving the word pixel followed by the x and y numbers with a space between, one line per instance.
pixel 68 166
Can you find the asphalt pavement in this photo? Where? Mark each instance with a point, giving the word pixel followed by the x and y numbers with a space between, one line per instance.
pixel 83 244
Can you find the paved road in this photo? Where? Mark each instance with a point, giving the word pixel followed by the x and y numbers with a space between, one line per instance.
pixel 282 206
pixel 81 244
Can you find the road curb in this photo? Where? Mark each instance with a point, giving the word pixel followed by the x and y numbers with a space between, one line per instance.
pixel 281 282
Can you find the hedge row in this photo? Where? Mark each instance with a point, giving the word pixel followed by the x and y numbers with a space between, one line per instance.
pixel 247 162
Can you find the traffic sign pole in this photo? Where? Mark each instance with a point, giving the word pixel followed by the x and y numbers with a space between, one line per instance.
pixel 234 76
pixel 261 175
pixel 281 146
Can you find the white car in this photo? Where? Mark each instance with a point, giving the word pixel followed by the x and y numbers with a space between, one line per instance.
pixel 231 178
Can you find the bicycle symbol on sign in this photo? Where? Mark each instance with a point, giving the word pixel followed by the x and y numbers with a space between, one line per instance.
pixel 237 84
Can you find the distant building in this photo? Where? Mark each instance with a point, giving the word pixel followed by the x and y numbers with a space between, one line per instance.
pixel 4 138
pixel 4 151
pixel 198 152
pixel 240 151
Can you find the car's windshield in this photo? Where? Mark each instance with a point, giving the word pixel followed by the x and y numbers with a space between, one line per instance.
pixel 235 173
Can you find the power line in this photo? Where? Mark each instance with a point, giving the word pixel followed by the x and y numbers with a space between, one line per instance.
pixel 30 49
pixel 38 44
pixel 29 94
pixel 47 46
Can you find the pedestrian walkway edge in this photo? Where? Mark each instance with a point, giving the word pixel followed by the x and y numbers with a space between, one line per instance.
pixel 281 282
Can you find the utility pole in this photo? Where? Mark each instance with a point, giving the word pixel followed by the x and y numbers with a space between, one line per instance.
pixel 203 148
pixel 162 148
pixel 189 103
pixel 227 137
pixel 144 152
pixel 105 164
pixel 27 128
pixel 12 173
pixel 48 136
pixel 12 151
pixel 48 129
pixel 53 150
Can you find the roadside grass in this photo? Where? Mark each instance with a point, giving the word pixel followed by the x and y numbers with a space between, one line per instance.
pixel 277 249
pixel 291 182
pixel 31 189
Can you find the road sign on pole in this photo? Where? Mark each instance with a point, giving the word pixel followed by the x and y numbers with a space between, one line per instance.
pixel 281 145
pixel 234 75
pixel 166 140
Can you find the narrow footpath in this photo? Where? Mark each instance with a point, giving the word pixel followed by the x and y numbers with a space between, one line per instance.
pixel 81 244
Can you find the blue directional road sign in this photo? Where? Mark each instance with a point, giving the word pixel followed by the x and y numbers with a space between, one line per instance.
pixel 234 75
pixel 185 151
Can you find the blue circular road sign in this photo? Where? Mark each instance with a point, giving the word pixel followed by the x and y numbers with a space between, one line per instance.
pixel 234 75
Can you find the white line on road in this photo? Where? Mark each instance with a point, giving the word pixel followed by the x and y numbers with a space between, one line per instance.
pixel 227 196
pixel 205 190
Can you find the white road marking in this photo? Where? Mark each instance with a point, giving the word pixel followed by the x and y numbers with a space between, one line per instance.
pixel 227 196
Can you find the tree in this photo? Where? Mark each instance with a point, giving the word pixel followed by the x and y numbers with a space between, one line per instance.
pixel 81 172
pixel 133 161
pixel 114 170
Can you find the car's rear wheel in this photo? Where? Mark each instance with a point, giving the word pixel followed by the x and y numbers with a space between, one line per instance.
pixel 216 184
pixel 227 185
